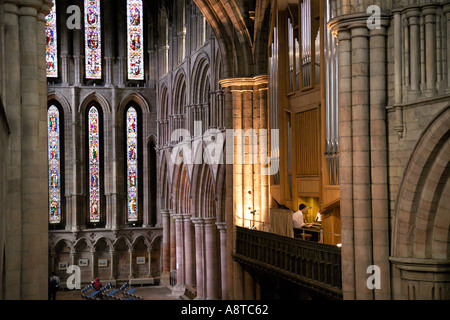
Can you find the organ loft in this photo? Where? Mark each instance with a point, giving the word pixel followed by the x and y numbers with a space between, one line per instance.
pixel 177 143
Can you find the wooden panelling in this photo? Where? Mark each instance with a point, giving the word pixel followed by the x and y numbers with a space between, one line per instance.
pixel 307 133
pixel 308 187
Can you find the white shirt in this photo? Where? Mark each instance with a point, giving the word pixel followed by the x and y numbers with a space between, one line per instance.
pixel 297 219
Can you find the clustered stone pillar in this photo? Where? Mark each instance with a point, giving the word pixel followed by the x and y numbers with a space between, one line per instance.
pixel 223 258
pixel 189 258
pixel 199 254
pixel 429 13
pixel 246 98
pixel 179 240
pixel 447 16
pixel 173 247
pixel 24 98
pixel 378 157
pixel 413 15
pixel 361 159
pixel 211 259
pixel 346 163
pixel 363 153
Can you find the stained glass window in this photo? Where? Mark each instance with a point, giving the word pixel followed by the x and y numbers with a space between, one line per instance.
pixel 94 165
pixel 135 40
pixel 51 43
pixel 92 35
pixel 54 165
pixel 132 165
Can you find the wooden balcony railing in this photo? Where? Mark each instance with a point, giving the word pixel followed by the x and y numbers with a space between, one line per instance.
pixel 315 266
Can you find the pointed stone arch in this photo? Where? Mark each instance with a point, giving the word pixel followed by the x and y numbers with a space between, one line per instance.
pixel 421 227
pixel 138 99
pixel 422 214
pixel 67 242
pixel 97 97
pixel 124 239
pixel 88 243
pixel 179 97
pixel 57 96
pixel 106 240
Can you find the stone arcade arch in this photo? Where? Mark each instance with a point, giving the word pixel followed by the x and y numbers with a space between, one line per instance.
pixel 421 232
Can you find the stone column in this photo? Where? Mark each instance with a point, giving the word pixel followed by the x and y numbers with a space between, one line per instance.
pixel 223 258
pixel 78 64
pixel 379 156
pixel 398 65
pixel 179 240
pixel 413 15
pixel 173 247
pixel 122 46
pixel 131 252
pixel 72 257
pixel 92 263
pixel 166 241
pixel 109 71
pixel 30 152
pixel 429 12
pixel 346 161
pixel 122 72
pixel 212 277
pixel 111 258
pixel 361 159
pixel 153 69
pixel 108 43
pixel 65 69
pixel 189 250
pixel 63 37
pixel 199 257
pixel 447 16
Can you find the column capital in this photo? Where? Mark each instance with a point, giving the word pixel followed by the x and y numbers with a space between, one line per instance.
pixel 354 21
pixel 446 7
pixel 244 82
pixel 221 225
pixel 197 220
pixel 210 220
pixel 177 216
pixel 412 12
pixel 186 216
pixel 429 9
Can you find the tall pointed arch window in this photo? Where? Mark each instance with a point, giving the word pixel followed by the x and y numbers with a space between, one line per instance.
pixel 132 165
pixel 51 43
pixel 94 165
pixel 135 40
pixel 54 165
pixel 92 36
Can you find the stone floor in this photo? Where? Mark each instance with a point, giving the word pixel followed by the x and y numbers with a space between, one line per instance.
pixel 159 292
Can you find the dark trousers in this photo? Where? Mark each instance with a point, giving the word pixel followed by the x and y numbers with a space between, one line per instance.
pixel 52 294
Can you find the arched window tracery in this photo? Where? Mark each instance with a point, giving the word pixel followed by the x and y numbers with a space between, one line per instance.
pixel 94 165
pixel 54 165
pixel 51 43
pixel 93 41
pixel 135 38
pixel 132 165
